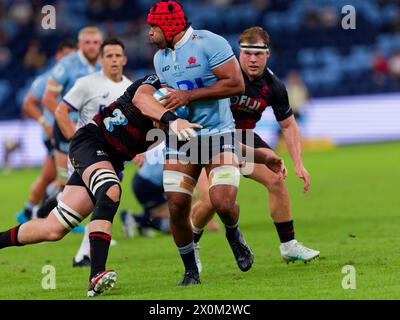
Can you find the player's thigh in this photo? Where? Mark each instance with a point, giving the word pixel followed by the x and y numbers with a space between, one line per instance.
pixel 78 199
pixel 202 186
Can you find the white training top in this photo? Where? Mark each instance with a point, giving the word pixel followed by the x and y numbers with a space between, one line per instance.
pixel 92 93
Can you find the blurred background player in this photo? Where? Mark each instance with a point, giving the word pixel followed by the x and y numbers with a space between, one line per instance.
pixel 89 95
pixel 33 108
pixel 264 89
pixel 61 79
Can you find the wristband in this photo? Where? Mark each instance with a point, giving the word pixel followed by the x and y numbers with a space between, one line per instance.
pixel 43 121
pixel 168 117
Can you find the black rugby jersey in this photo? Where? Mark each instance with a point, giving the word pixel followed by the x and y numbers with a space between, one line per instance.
pixel 266 90
pixel 123 125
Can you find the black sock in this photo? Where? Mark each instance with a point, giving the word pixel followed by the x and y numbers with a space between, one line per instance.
pixel 232 232
pixel 47 206
pixel 99 244
pixel 197 236
pixel 285 231
pixel 28 209
pixel 188 258
pixel 9 238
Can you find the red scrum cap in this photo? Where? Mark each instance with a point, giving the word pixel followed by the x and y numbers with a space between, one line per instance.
pixel 169 16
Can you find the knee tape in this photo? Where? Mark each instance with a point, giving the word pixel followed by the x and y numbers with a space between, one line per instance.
pixel 100 182
pixel 68 217
pixel 175 181
pixel 228 175
pixel 100 177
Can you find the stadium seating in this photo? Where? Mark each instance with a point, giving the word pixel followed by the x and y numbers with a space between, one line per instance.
pixel 325 54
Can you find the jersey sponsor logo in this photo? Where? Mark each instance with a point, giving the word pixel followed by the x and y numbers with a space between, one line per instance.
pixel 118 119
pixel 248 104
pixel 151 79
pixel 189 85
pixel 165 68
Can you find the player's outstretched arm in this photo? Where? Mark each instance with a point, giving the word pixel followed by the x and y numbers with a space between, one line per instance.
pixel 291 134
pixel 150 107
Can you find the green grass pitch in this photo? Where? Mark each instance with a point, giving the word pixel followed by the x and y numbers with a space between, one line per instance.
pixel 351 214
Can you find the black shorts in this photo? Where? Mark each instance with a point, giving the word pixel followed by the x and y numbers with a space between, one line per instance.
pixel 60 143
pixel 149 195
pixel 88 147
pixel 248 140
pixel 76 180
pixel 200 150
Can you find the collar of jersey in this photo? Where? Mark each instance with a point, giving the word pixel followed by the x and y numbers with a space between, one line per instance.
pixel 185 38
pixel 84 60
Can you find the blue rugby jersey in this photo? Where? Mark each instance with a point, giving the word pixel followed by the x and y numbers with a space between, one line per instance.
pixel 190 66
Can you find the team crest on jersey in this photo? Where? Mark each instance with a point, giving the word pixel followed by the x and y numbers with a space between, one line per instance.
pixel 151 79
pixel 264 90
pixel 192 61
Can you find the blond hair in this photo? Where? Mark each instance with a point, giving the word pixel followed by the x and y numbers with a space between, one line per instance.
pixel 89 30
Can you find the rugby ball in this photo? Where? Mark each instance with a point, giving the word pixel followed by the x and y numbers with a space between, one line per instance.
pixel 181 112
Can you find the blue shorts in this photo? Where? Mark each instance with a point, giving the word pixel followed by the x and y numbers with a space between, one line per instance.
pixel 60 143
pixel 49 147
pixel 202 149
pixel 149 195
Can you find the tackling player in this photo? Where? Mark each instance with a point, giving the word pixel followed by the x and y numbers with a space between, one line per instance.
pixel 98 152
pixel 88 96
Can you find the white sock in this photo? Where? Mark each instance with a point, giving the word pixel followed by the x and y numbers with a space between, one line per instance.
pixel 84 249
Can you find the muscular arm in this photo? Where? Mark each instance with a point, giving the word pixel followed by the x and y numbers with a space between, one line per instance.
pixel 146 103
pixel 50 97
pixel 67 127
pixel 230 83
pixel 31 109
pixel 291 134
